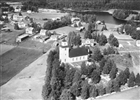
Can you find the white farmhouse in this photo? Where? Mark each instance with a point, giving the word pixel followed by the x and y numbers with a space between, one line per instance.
pixel 29 30
pixel 17 17
pixel 138 43
pixel 43 32
pixel 67 55
pixel 21 25
pixel 75 19
pixel 17 10
pixel 88 42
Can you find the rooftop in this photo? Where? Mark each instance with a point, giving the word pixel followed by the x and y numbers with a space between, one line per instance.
pixel 79 51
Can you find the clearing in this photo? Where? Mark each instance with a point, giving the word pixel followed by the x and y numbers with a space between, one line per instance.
pixel 13 61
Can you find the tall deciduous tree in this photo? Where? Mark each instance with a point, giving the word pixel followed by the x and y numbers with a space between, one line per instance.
pixel 113 41
pixel 102 40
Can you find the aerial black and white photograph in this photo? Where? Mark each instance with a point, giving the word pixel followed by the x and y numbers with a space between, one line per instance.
pixel 69 49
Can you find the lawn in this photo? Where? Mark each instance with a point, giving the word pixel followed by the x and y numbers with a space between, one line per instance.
pixel 122 61
pixel 5 48
pixel 13 61
pixel 64 30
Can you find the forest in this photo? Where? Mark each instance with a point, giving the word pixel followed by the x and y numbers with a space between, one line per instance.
pixel 86 4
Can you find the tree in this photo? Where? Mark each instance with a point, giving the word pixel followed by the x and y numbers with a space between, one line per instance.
pixel 67 95
pixel 95 76
pixel 108 66
pixel 102 63
pixel 100 88
pixel 97 56
pixel 16 27
pixel 76 88
pixel 69 77
pixel 113 71
pixel 87 35
pixel 113 41
pixel 126 72
pixel 78 40
pixel 116 85
pixel 85 90
pixel 109 87
pixel 46 90
pixel 90 69
pixel 102 40
pixel 77 76
pixel 74 39
pixel 84 70
pixel 109 50
pixel 138 79
pixel 122 78
pixel 138 35
pixel 93 92
pixel 92 19
pixel 131 81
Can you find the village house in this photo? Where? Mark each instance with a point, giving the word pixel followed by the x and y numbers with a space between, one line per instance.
pixel 21 25
pixel 43 32
pixel 76 22
pixel 17 10
pixel 88 42
pixel 70 55
pixel 17 17
pixel 29 30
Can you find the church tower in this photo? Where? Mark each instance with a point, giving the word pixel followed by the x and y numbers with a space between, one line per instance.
pixel 64 51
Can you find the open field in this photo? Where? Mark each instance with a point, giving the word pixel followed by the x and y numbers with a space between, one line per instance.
pixel 5 48
pixel 32 44
pixel 64 30
pixel 13 61
pixel 42 15
pixel 10 37
pixel 27 85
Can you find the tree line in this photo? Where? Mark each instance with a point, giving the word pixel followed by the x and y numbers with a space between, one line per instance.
pixel 130 28
pixel 50 24
pixel 87 4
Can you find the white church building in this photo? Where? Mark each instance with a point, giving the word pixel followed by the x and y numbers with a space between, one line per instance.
pixel 67 55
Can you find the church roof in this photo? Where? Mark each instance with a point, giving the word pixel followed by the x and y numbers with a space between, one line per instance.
pixel 80 51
